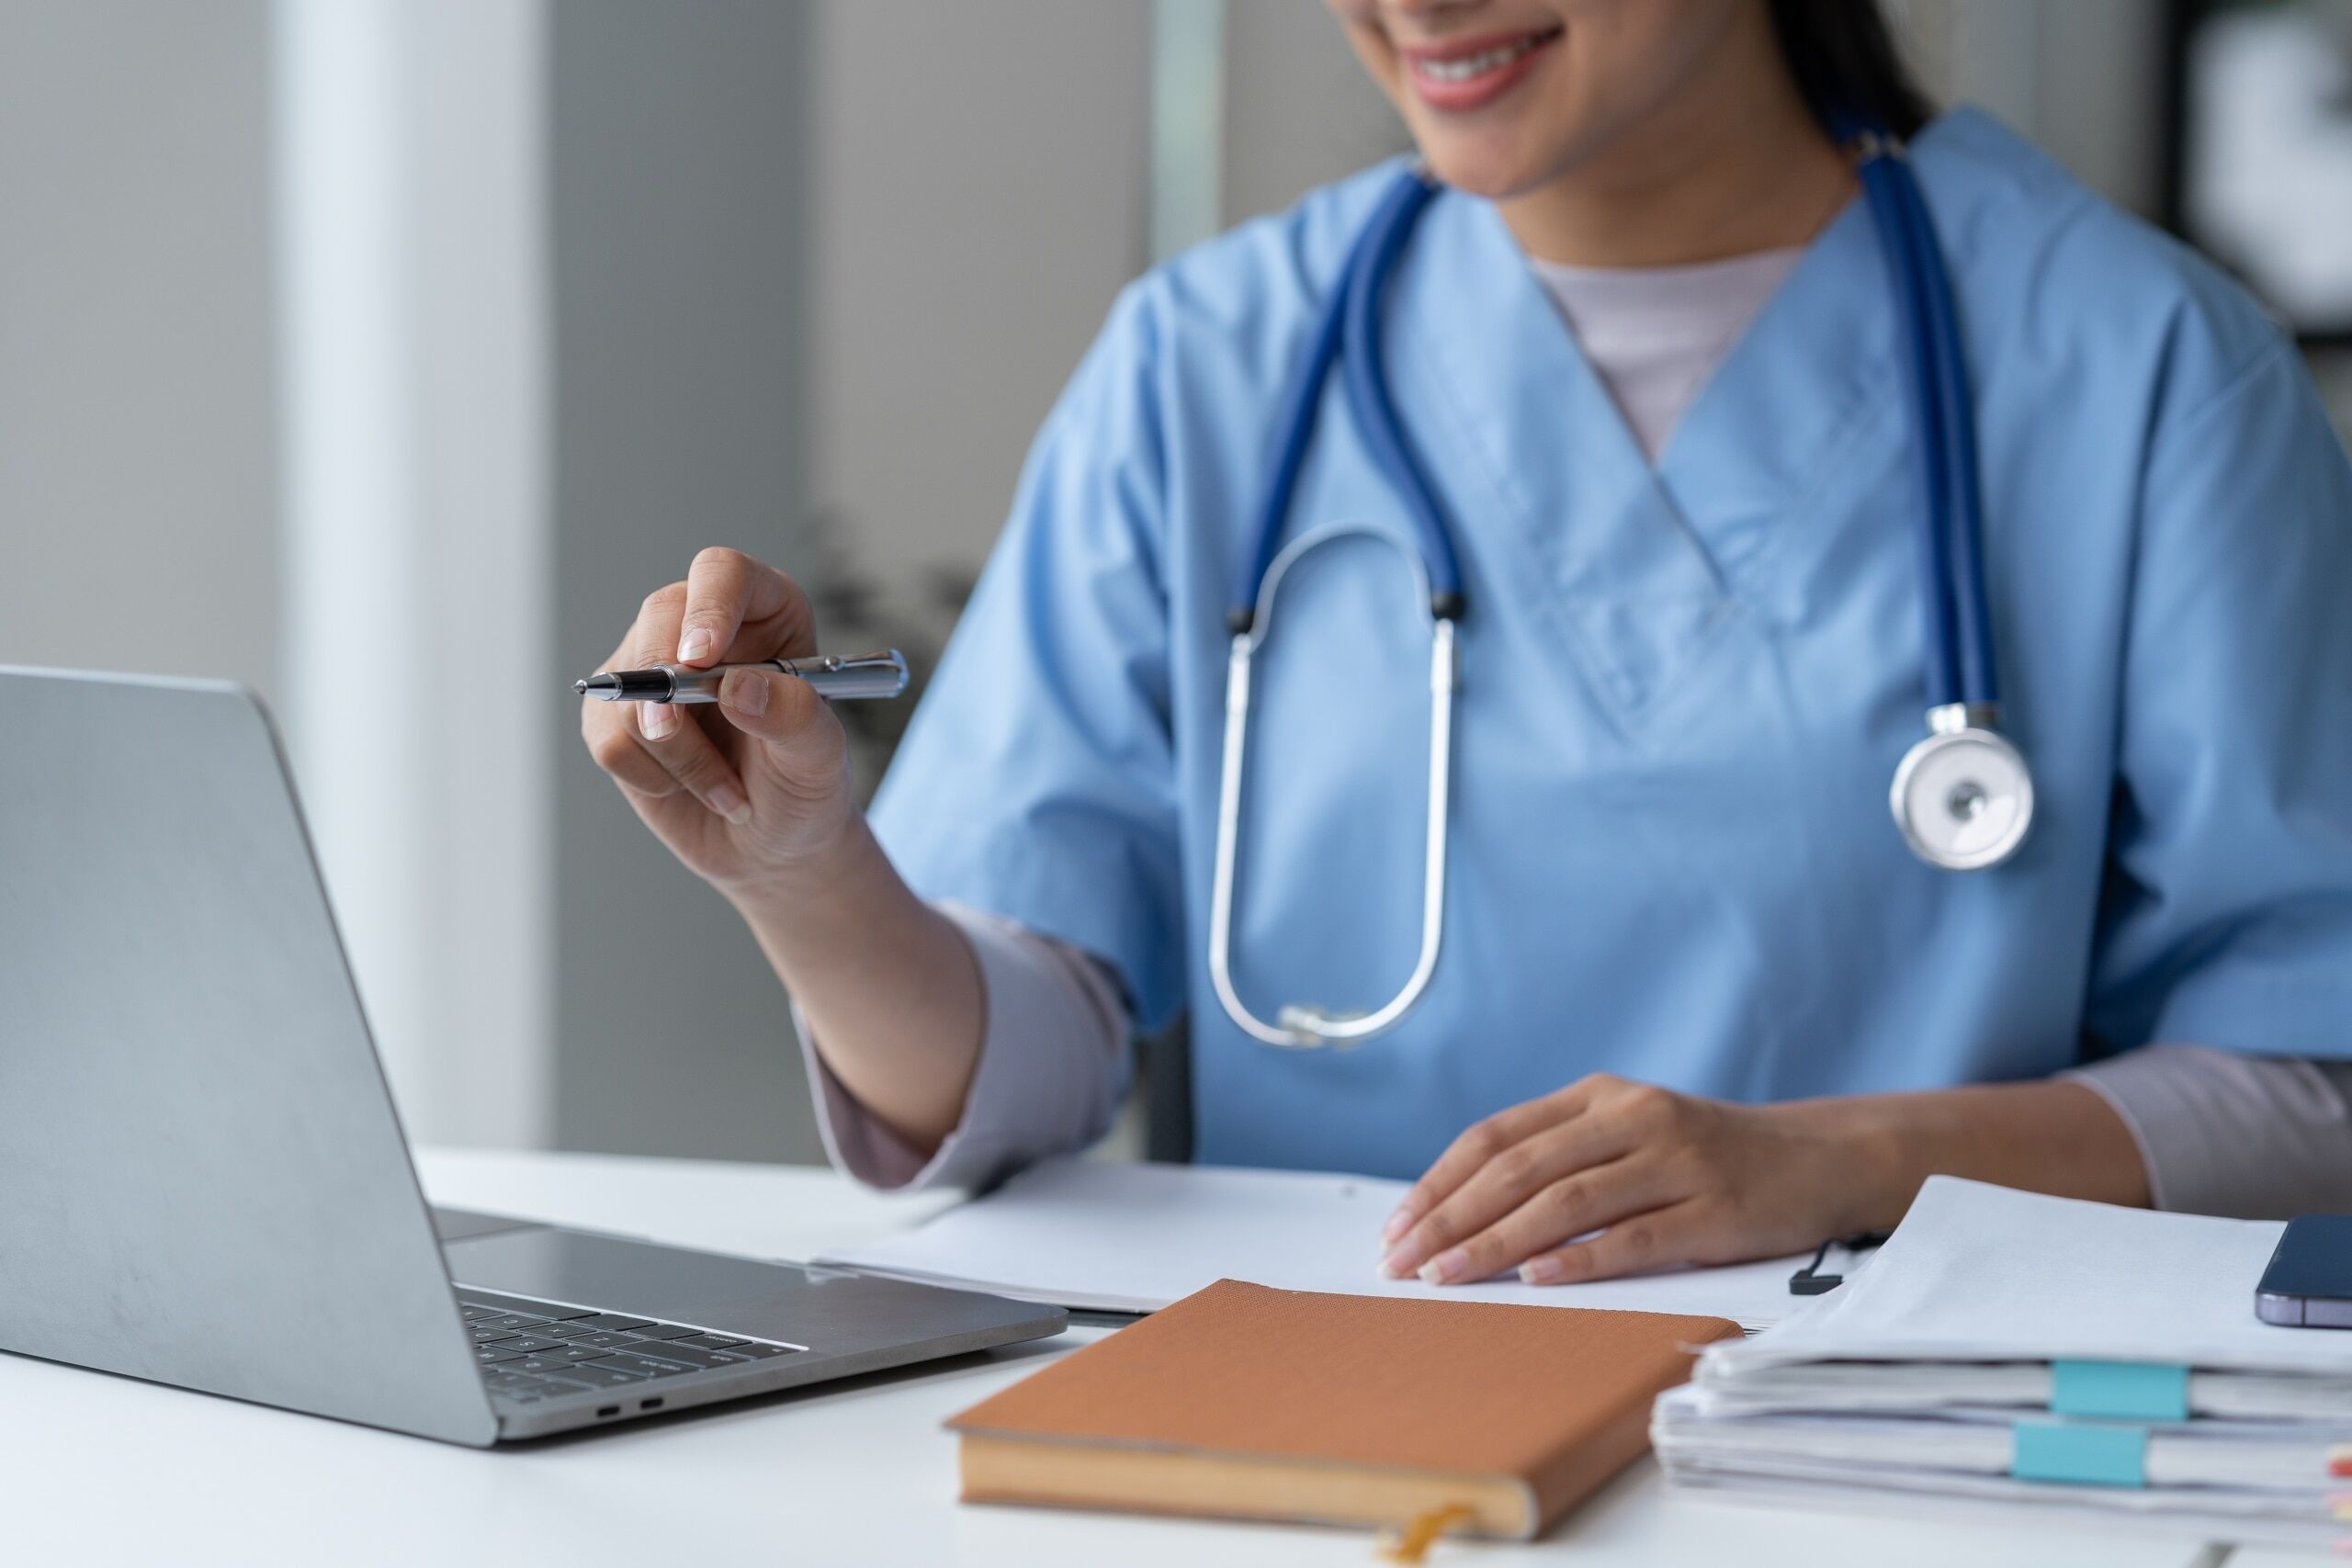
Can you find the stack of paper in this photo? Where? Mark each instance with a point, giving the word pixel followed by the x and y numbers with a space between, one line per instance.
pixel 2006 1350
pixel 1135 1238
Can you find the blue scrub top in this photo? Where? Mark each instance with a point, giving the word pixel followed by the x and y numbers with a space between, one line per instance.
pixel 1684 689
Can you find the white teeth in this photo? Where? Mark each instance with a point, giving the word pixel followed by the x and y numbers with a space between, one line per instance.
pixel 1471 65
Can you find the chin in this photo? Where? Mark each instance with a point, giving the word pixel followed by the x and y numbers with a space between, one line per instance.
pixel 1486 166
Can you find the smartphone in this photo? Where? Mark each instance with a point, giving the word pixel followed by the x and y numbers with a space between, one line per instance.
pixel 2309 1281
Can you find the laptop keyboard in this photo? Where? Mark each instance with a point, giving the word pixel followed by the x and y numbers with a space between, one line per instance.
pixel 533 1351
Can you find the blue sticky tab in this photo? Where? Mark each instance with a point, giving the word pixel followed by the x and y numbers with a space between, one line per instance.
pixel 2079 1453
pixel 2122 1391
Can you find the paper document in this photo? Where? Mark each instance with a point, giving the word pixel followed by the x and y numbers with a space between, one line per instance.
pixel 2011 1349
pixel 1119 1237
pixel 1982 1273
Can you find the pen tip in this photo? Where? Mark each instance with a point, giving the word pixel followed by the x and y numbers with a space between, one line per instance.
pixel 579 686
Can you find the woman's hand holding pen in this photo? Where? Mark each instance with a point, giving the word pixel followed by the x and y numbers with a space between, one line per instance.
pixel 1607 1177
pixel 753 793
pixel 751 785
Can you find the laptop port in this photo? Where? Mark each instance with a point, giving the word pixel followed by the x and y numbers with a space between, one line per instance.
pixel 649 1404
pixel 608 1410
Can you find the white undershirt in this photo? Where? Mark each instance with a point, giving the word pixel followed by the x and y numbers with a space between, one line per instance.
pixel 1654 335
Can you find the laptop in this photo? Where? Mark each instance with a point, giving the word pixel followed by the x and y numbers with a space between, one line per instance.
pixel 205 1180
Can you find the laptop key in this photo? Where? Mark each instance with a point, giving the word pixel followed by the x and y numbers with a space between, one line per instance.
pixel 500 1304
pixel 492 1355
pixel 711 1341
pixel 602 1376
pixel 537 1364
pixel 678 1350
pixel 643 1366
pixel 512 1320
pixel 664 1331
pixel 608 1323
pixel 530 1345
pixel 756 1350
pixel 599 1341
pixel 557 1314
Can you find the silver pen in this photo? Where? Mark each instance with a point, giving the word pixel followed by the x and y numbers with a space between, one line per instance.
pixel 833 678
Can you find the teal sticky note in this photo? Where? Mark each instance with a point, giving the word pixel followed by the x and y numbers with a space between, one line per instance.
pixel 2121 1391
pixel 2079 1453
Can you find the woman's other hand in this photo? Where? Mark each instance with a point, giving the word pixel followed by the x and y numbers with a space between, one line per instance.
pixel 755 783
pixel 1608 1177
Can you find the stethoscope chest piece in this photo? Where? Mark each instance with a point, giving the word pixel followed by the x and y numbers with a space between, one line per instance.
pixel 1963 796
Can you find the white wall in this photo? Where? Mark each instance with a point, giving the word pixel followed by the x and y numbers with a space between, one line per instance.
pixel 299 452
pixel 982 194
pixel 421 694
pixel 137 513
pixel 979 201
pixel 678 140
pixel 1299 110
pixel 2078 76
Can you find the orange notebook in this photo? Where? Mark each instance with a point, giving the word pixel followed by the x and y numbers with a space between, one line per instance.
pixel 1252 1402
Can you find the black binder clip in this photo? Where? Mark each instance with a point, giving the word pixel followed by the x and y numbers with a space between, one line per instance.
pixel 1810 1281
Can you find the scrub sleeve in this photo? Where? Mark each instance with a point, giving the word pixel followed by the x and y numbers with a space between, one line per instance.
pixel 2227 916
pixel 1052 1071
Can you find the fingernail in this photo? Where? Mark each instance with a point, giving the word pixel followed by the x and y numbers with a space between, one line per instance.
pixel 654 720
pixel 745 691
pixel 1441 1270
pixel 694 644
pixel 1544 1270
pixel 1395 1267
pixel 729 802
pixel 1398 1224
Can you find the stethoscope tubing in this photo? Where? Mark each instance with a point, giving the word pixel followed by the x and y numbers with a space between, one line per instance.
pixel 1298 426
pixel 1361 363
pixel 1350 333
pixel 1959 641
pixel 1972 604
pixel 1923 394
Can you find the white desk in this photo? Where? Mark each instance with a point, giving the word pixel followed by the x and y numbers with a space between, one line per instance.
pixel 99 1469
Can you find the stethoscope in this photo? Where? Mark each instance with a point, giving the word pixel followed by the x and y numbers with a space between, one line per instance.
pixel 1962 797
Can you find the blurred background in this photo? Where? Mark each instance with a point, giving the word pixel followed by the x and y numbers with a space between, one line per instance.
pixel 340 338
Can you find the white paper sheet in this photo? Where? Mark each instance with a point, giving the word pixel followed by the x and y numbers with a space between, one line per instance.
pixel 1997 1390
pixel 2285 1462
pixel 1926 1497
pixel 1125 1237
pixel 1982 1273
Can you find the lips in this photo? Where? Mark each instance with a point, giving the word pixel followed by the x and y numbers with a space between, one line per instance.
pixel 1468 74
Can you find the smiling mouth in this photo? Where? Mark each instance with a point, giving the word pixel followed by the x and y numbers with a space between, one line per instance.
pixel 1469 67
pixel 1474 71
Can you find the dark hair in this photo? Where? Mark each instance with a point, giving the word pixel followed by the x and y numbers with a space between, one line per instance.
pixel 1845 60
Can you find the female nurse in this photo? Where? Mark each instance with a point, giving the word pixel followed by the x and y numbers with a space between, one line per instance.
pixel 1696 1000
